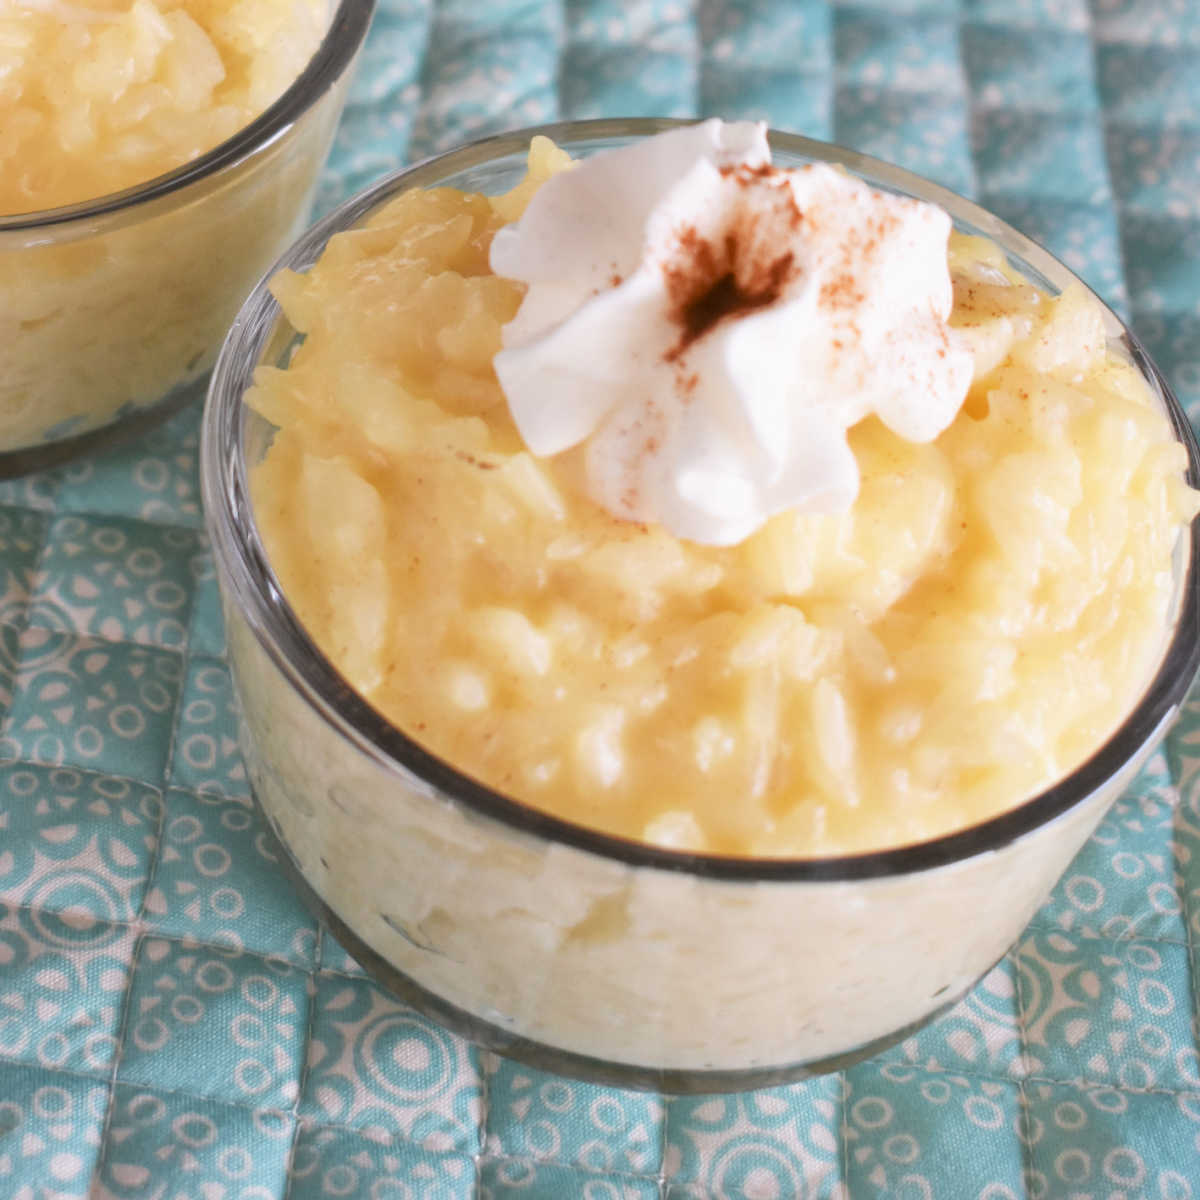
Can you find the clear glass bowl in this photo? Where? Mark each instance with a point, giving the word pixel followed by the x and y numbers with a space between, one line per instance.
pixel 706 973
pixel 112 310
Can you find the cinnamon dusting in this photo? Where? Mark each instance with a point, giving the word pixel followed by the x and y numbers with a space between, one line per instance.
pixel 708 283
pixel 713 279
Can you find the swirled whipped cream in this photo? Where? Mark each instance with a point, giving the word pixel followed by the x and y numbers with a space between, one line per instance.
pixel 711 326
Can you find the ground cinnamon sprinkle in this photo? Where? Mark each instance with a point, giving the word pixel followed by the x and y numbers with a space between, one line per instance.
pixel 842 291
pixel 710 280
pixel 773 177
pixel 706 285
pixel 648 431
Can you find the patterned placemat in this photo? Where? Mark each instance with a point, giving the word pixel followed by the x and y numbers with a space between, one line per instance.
pixel 174 1024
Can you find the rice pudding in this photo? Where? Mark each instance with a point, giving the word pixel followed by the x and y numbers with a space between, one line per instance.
pixel 628 960
pixel 966 632
pixel 118 306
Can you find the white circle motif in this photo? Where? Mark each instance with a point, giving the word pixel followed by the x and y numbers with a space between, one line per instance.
pixel 543 1139
pixel 982 1112
pixel 1173 1186
pixel 901 1148
pixel 557 1096
pixel 879 1110
pixel 145 1109
pixel 187 1009
pixel 236 819
pixel 1163 899
pixel 120 789
pixel 235 1162
pixel 211 860
pixel 1127 865
pixel 53 1050
pixel 214 976
pixel 251 1076
pixel 166 594
pixel 150 1033
pixel 1124 1166
pixel 607 1114
pixel 144 562
pixel 1069 1115
pixel 1108 1100
pixel 397 1027
pixel 127 721
pixel 52 1102
pixel 259 991
pixel 194 1130
pixel 227 903
pixel 200 751
pixel 247 1031
pixel 200 711
pixel 1073 1166
pixel 1078 888
pixel 339 1180
pixel 151 474
pixel 516 1173
pixel 1144 957
pixel 1156 997
pixel 88 740
pixel 184 829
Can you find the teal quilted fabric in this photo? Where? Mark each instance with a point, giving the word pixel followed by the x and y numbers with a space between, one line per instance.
pixel 174 1024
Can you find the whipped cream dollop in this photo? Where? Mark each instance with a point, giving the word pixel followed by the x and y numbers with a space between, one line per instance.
pixel 711 326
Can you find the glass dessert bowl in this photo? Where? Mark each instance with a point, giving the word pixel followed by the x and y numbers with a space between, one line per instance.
pixel 112 308
pixel 587 952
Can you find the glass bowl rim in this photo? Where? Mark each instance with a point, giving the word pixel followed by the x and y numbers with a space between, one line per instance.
pixel 238 551
pixel 341 41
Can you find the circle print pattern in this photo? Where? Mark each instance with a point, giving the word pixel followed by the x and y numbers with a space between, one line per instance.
pixel 404 1056
pixel 782 1142
pixel 892 1113
pixel 119 579
pixel 71 699
pixel 375 1061
pixel 77 845
pixel 535 1115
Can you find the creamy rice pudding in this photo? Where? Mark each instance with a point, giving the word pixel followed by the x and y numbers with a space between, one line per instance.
pixel 965 632
pixel 975 597
pixel 105 313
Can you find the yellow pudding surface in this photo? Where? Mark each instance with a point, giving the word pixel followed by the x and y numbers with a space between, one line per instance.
pixel 972 629
pixel 99 95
